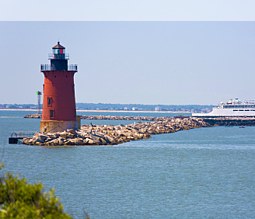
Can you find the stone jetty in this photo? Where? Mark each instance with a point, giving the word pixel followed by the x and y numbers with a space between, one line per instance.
pixel 102 117
pixel 112 135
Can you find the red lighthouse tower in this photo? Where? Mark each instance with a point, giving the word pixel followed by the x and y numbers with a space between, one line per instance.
pixel 59 111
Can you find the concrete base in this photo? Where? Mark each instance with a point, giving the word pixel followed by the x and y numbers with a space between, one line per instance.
pixel 59 126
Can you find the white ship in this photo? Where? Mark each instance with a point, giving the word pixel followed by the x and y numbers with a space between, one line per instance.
pixel 233 107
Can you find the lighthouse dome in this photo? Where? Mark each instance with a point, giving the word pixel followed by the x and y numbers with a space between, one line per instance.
pixel 58 46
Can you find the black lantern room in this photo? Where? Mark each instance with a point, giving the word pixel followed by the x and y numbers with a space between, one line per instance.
pixel 58 59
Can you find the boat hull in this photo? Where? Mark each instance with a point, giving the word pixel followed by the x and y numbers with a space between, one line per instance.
pixel 227 113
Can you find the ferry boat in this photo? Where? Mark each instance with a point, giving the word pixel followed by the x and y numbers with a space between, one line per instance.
pixel 231 108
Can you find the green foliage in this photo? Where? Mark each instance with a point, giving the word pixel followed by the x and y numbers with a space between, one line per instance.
pixel 21 200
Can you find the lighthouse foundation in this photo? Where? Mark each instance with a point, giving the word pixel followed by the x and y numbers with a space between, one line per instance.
pixel 59 126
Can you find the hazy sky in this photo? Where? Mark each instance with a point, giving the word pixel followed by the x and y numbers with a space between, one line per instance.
pixel 127 10
pixel 166 62
pixel 133 62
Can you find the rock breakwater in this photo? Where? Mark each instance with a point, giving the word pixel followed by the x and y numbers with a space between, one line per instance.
pixel 107 117
pixel 101 117
pixel 112 135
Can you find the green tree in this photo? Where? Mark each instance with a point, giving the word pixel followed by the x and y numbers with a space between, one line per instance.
pixel 21 200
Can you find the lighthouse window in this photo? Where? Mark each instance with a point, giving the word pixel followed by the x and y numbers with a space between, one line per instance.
pixel 52 114
pixel 56 51
pixel 49 101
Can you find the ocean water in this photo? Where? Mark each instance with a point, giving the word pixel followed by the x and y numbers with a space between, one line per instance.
pixel 200 173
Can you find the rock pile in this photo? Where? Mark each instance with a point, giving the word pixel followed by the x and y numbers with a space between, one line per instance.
pixel 107 117
pixel 112 135
pixel 102 117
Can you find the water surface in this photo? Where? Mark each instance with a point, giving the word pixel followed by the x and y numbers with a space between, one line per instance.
pixel 200 173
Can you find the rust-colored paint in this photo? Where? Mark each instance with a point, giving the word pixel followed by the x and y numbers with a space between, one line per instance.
pixel 59 86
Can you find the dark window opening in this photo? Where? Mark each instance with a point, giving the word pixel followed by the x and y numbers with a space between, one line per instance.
pixel 49 101
pixel 52 114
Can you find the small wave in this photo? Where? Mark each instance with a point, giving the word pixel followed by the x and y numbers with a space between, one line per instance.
pixel 158 145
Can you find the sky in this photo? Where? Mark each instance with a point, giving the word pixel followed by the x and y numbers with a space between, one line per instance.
pixel 142 10
pixel 146 61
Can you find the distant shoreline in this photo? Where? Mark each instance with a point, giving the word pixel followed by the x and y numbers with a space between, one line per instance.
pixel 104 111
pixel 131 111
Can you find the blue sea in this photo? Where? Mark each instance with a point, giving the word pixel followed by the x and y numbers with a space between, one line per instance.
pixel 200 173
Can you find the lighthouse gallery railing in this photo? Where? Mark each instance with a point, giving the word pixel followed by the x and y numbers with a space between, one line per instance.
pixel 48 67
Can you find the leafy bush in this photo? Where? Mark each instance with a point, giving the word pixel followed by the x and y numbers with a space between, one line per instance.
pixel 21 200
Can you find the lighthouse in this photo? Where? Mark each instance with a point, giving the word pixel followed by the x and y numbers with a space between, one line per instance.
pixel 59 110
